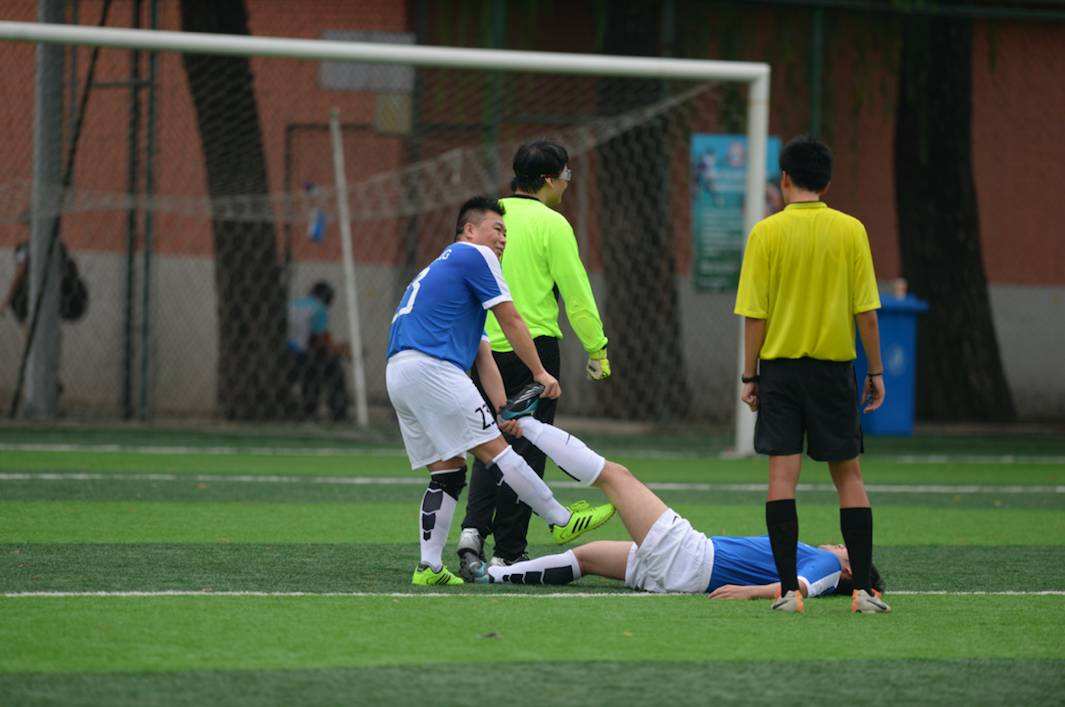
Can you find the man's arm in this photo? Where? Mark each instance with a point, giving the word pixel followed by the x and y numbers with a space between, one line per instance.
pixel 492 382
pixel 753 338
pixel 873 389
pixel 488 372
pixel 567 270
pixel 758 591
pixel 517 334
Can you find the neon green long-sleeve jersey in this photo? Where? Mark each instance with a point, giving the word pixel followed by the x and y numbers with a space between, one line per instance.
pixel 541 253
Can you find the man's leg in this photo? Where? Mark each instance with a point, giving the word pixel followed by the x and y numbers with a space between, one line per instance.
pixel 529 487
pixel 481 501
pixel 604 558
pixel 485 489
pixel 855 519
pixel 447 479
pixel 782 519
pixel 779 433
pixel 511 522
pixel 637 505
pixel 310 381
pixel 333 381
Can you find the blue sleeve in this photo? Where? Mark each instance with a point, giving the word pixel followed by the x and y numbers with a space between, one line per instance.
pixel 821 573
pixel 320 319
pixel 484 276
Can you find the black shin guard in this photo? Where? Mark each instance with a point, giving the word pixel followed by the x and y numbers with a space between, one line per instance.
pixel 441 482
pixel 856 525
pixel 782 522
pixel 450 482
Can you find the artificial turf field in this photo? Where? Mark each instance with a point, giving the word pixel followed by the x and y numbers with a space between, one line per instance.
pixel 177 568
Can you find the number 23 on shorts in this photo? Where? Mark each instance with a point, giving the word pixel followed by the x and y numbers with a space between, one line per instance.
pixel 488 418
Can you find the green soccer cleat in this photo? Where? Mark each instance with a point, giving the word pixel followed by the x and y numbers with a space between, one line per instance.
pixel 583 518
pixel 424 576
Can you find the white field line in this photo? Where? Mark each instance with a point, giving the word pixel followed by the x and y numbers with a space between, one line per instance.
pixel 489 593
pixel 397 451
pixel 418 480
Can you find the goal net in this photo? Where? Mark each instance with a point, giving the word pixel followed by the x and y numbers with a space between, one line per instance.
pixel 201 201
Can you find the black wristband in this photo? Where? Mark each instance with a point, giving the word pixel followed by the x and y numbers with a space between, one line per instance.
pixel 751 379
pixel 874 375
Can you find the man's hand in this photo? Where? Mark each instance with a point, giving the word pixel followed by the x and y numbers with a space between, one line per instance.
pixel 873 393
pixel 732 591
pixel 598 367
pixel 551 387
pixel 749 395
pixel 511 428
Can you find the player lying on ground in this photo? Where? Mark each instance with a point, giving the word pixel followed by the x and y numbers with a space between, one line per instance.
pixel 666 554
pixel 437 335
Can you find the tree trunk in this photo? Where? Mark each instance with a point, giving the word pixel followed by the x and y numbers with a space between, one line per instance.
pixel 636 235
pixel 959 368
pixel 251 297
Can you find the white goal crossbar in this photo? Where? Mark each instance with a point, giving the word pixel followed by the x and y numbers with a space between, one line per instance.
pixel 755 75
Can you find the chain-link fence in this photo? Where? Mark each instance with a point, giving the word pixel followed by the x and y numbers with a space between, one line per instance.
pixel 202 204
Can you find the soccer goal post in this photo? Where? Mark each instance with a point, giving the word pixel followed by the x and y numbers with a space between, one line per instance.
pixel 426 127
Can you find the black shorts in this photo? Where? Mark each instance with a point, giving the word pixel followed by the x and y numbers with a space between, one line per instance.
pixel 811 398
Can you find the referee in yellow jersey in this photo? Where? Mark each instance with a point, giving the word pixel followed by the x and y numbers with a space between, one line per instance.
pixel 807 278
pixel 540 263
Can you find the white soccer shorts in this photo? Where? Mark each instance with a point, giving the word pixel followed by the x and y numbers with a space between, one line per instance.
pixel 674 557
pixel 441 414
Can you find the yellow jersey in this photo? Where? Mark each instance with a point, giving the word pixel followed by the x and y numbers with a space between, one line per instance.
pixel 807 271
pixel 540 255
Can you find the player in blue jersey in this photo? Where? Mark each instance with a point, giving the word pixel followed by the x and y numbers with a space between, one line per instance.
pixel 437 335
pixel 666 554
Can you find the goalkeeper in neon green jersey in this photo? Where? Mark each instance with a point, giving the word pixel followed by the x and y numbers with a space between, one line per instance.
pixel 541 265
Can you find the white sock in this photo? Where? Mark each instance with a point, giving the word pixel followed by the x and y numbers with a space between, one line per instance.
pixel 571 454
pixel 530 488
pixel 438 509
pixel 552 569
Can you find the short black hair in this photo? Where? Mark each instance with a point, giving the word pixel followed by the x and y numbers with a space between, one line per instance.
pixel 474 209
pixel 535 160
pixel 323 291
pixel 808 162
pixel 847 586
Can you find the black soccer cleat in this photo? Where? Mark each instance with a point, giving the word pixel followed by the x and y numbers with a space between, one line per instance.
pixel 522 404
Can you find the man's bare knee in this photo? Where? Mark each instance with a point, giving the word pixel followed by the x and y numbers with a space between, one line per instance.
pixel 488 451
pixel 581 553
pixel 447 465
pixel 612 474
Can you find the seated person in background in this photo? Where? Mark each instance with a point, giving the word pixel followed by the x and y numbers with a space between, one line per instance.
pixel 666 554
pixel 314 358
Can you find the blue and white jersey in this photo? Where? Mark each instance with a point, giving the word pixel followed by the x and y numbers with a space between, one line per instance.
pixel 442 312
pixel 749 562
pixel 307 316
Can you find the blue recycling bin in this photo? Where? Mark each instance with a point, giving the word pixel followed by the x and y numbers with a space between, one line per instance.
pixel 898 349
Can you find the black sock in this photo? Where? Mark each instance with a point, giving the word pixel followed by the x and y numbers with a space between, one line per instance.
pixel 782 522
pixel 856 524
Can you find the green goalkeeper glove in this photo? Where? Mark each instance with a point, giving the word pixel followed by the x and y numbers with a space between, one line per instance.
pixel 598 367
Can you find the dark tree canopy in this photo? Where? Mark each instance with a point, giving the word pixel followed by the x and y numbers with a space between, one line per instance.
pixel 959 370
pixel 642 312
pixel 251 298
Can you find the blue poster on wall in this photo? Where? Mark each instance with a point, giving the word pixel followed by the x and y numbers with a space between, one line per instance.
pixel 719 180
